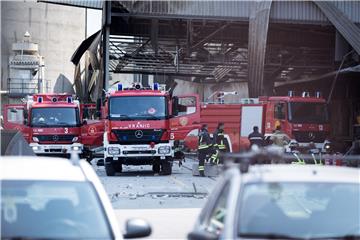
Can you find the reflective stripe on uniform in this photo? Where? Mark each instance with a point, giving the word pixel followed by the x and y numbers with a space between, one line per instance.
pixel 201 168
pixel 255 138
pixel 203 146
pixel 299 161
pixel 315 161
pixel 222 146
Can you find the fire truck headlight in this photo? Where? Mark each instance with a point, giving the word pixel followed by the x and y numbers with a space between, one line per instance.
pixel 113 150
pixel 35 148
pixel 75 139
pixel 164 150
pixel 35 139
pixel 327 146
pixel 75 148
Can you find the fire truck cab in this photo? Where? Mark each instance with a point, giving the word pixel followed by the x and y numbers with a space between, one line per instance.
pixel 303 118
pixel 142 126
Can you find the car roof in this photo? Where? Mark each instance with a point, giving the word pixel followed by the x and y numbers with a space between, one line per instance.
pixel 39 168
pixel 301 173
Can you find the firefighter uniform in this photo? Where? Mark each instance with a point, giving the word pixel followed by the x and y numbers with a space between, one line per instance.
pixel 219 145
pixel 256 138
pixel 203 149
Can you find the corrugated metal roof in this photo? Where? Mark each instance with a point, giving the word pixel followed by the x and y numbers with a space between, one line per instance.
pixel 283 11
pixel 94 4
pixel 307 11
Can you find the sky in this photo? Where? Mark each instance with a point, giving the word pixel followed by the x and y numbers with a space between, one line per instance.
pixel 93 21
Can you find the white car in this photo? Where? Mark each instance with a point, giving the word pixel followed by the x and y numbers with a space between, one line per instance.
pixel 282 202
pixel 54 198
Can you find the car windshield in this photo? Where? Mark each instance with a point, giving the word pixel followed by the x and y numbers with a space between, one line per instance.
pixel 51 210
pixel 138 108
pixel 300 210
pixel 305 112
pixel 55 117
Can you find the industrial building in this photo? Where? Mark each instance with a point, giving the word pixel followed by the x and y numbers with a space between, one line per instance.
pixel 55 31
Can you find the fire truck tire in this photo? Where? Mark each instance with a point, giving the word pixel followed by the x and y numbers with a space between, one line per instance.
pixel 166 168
pixel 109 167
pixel 117 167
pixel 156 167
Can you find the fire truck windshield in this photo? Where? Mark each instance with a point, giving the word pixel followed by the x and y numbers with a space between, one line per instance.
pixel 137 108
pixel 308 112
pixel 55 117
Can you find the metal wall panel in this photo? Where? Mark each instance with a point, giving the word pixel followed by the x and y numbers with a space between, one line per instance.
pixel 95 4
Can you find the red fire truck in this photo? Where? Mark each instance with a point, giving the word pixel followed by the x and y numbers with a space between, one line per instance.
pixel 142 125
pixel 303 118
pixel 53 124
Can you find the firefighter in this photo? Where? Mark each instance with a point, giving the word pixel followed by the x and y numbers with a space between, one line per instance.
pixel 256 138
pixel 279 138
pixel 203 148
pixel 218 144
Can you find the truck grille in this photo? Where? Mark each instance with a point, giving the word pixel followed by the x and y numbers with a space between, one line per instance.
pixel 316 137
pixel 140 152
pixel 55 138
pixel 138 136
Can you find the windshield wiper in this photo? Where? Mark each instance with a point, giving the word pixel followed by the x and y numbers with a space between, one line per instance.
pixel 346 237
pixel 121 117
pixel 150 117
pixel 268 236
pixel 64 124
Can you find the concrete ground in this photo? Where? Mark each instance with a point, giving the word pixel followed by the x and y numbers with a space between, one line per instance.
pixel 171 204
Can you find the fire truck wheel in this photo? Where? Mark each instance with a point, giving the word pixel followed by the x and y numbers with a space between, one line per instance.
pixel 156 167
pixel 166 168
pixel 109 167
pixel 117 167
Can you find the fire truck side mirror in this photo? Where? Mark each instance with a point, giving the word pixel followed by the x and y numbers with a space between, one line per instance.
pixel 26 115
pixel 85 113
pixel 98 108
pixel 175 106
pixel 98 104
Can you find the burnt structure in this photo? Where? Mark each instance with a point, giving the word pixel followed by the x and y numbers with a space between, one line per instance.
pixel 268 44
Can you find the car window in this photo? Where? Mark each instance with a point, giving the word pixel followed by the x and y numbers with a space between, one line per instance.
pixel 279 111
pixel 300 210
pixel 15 115
pixel 60 209
pixel 187 105
pixel 215 223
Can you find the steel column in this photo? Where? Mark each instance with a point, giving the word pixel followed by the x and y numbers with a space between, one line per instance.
pixel 105 47
pixel 258 30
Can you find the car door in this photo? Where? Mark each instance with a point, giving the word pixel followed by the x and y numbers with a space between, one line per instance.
pixel 14 119
pixel 185 116
pixel 211 222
